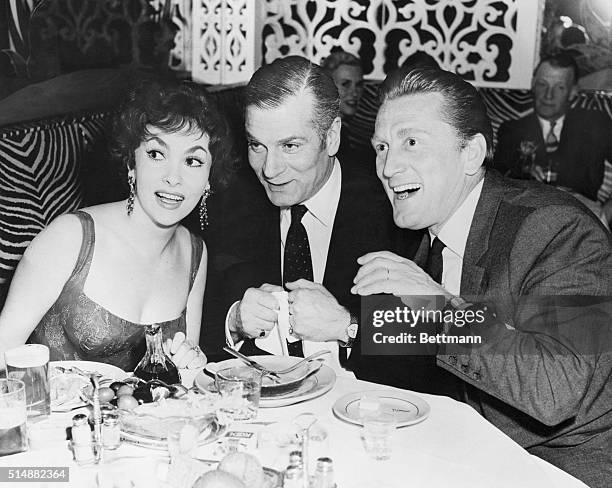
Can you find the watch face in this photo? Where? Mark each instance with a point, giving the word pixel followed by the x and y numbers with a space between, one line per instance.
pixel 351 330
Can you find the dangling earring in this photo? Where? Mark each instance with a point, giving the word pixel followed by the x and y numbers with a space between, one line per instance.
pixel 203 209
pixel 132 195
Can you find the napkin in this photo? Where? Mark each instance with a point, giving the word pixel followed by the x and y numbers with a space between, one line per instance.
pixel 276 341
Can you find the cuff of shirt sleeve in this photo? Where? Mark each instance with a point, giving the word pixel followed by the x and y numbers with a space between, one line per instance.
pixel 228 335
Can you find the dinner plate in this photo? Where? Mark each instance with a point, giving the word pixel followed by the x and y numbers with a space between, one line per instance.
pixel 408 408
pixel 273 363
pixel 314 386
pixel 66 388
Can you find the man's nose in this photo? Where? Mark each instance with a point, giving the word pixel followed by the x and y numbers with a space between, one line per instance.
pixel 549 93
pixel 391 163
pixel 273 165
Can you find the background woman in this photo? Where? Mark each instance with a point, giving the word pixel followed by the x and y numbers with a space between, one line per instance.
pixel 89 283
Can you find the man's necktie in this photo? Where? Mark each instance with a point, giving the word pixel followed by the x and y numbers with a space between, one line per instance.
pixel 434 264
pixel 297 261
pixel 552 143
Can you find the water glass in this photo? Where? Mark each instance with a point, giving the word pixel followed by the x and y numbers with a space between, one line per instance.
pixel 240 389
pixel 13 416
pixel 377 434
pixel 30 364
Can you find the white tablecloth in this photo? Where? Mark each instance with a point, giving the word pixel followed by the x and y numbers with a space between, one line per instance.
pixel 454 447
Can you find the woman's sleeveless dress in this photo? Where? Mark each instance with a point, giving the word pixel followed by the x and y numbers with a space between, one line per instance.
pixel 77 328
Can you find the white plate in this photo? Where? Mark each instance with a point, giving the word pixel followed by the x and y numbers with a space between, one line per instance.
pixel 108 372
pixel 408 408
pixel 274 363
pixel 312 387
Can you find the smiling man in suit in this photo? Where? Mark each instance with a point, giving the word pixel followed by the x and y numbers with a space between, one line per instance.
pixel 525 258
pixel 302 227
pixel 575 141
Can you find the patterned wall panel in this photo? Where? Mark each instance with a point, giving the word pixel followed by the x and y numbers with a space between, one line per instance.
pixel 223 41
pixel 490 42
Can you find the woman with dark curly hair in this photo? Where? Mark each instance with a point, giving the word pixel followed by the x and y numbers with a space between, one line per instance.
pixel 89 283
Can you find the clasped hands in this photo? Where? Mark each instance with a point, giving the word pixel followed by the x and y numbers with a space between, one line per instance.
pixel 386 272
pixel 184 353
pixel 314 313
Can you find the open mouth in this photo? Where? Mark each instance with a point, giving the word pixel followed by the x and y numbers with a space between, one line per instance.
pixel 169 198
pixel 405 191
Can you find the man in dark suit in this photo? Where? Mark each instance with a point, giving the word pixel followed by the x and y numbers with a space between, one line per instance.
pixel 527 261
pixel 572 144
pixel 293 131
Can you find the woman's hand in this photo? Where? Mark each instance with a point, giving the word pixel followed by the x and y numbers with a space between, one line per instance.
pixel 184 353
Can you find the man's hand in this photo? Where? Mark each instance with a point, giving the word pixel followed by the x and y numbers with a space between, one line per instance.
pixel 314 313
pixel 256 314
pixel 537 173
pixel 385 272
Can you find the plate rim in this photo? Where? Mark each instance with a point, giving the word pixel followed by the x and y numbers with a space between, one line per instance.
pixel 125 373
pixel 324 371
pixel 341 403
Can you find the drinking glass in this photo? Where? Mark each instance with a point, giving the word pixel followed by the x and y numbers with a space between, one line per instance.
pixel 377 434
pixel 240 389
pixel 13 434
pixel 30 364
pixel 550 171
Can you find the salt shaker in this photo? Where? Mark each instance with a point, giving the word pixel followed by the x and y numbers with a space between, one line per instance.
pixel 294 477
pixel 324 475
pixel 82 445
pixel 111 435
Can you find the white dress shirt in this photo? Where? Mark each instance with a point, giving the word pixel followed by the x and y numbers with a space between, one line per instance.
pixel 454 234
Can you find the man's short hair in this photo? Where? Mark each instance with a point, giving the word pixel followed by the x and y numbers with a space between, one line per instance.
pixel 462 108
pixel 274 83
pixel 560 60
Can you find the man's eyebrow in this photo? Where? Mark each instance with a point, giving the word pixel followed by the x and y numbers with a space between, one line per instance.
pixel 291 139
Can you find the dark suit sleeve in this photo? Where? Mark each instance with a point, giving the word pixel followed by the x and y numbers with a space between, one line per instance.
pixel 541 354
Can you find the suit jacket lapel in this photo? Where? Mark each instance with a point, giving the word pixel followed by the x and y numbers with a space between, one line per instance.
pixel 473 273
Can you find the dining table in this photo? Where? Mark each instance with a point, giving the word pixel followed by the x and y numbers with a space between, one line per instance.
pixel 452 446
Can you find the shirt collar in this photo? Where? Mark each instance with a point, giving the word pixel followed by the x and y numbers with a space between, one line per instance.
pixel 320 205
pixel 545 124
pixel 454 233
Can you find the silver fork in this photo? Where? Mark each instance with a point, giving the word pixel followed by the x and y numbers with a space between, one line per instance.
pixel 303 361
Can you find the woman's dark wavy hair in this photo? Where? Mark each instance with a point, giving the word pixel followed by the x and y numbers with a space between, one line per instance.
pixel 172 107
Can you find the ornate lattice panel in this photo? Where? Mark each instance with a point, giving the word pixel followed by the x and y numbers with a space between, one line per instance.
pixel 490 42
pixel 223 37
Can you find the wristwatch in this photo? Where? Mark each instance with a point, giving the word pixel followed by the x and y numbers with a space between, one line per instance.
pixel 351 332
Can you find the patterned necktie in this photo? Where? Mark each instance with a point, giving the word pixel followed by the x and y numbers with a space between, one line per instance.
pixel 552 143
pixel 297 261
pixel 434 264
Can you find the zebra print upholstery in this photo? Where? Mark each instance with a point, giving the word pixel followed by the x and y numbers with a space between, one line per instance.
pixel 40 178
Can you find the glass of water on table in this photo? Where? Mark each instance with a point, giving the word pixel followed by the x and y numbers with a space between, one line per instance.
pixel 240 389
pixel 13 433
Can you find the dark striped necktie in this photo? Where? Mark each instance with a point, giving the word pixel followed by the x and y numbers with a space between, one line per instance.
pixel 297 261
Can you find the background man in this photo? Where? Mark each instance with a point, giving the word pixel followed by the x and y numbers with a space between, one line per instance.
pixel 536 376
pixel 576 142
pixel 309 227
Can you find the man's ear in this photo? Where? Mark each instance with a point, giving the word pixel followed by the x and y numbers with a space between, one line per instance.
pixel 333 137
pixel 573 92
pixel 474 154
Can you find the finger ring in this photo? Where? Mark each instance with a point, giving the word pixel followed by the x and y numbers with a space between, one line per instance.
pixel 262 333
pixel 197 349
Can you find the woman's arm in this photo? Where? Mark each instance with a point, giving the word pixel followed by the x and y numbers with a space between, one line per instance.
pixel 194 301
pixel 39 278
